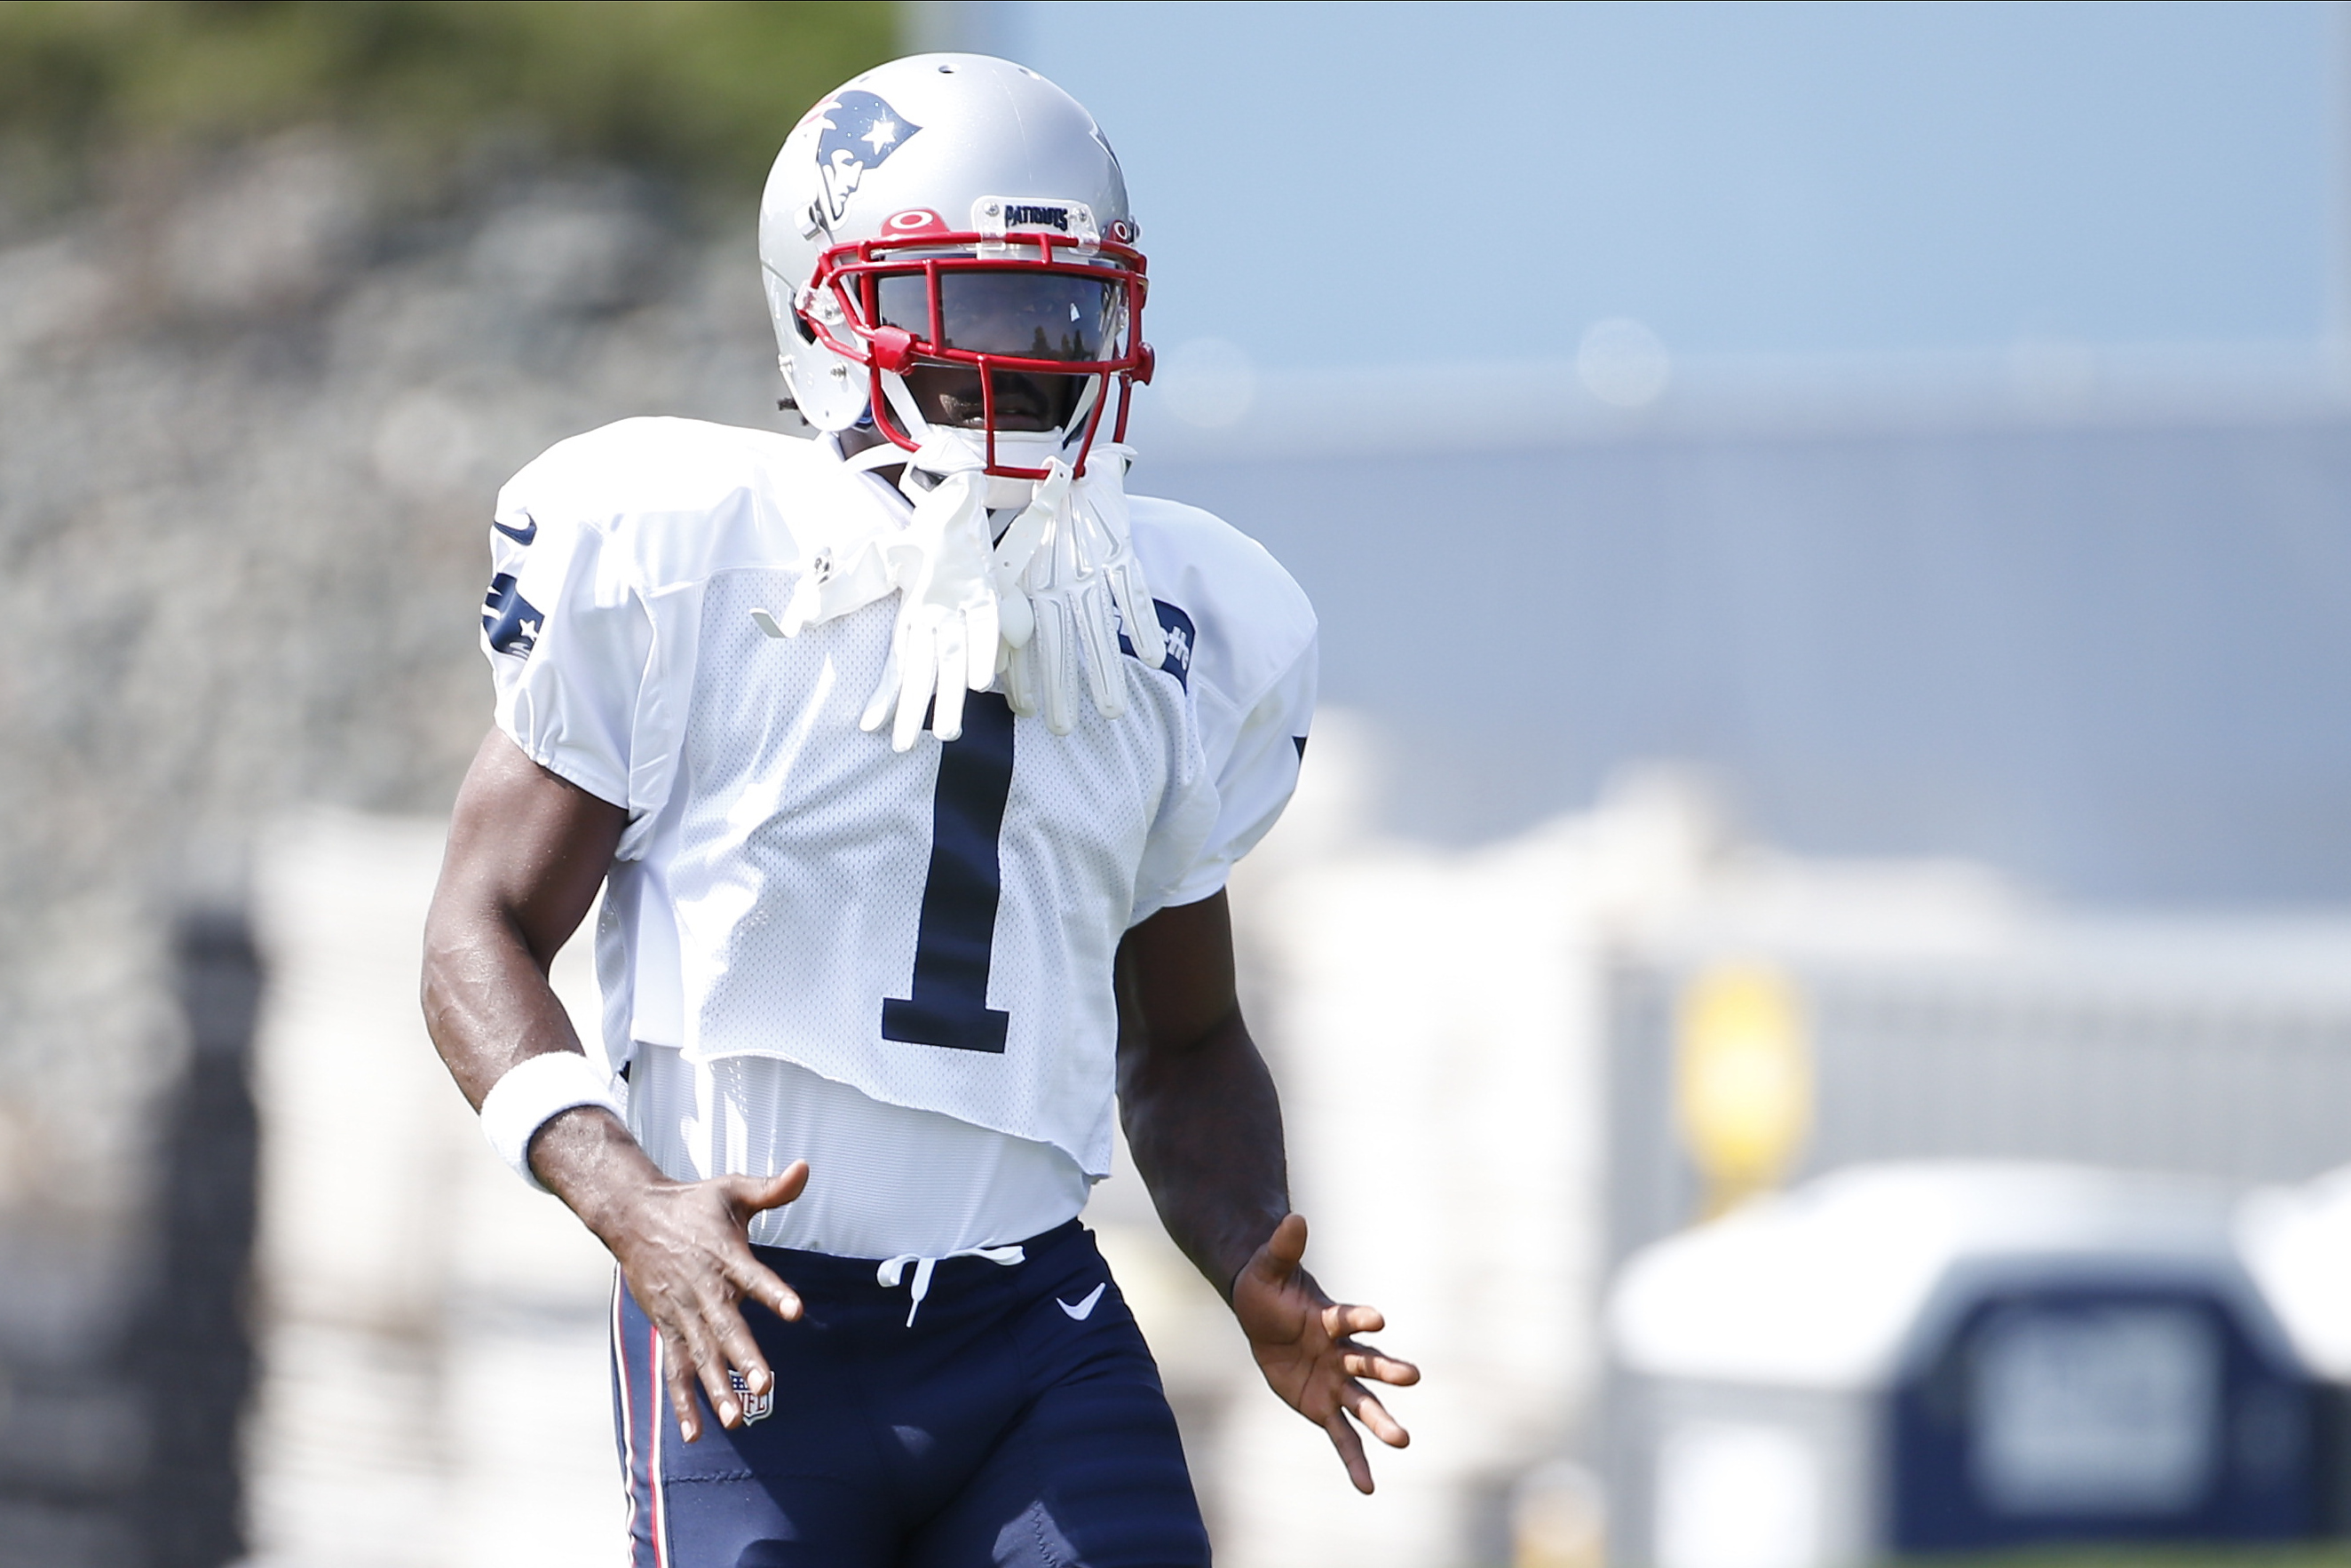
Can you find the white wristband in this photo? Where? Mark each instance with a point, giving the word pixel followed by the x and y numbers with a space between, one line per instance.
pixel 535 1089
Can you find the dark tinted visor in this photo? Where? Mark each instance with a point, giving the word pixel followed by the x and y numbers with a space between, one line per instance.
pixel 1026 314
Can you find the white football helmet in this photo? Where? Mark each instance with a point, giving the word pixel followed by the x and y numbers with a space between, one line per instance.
pixel 952 210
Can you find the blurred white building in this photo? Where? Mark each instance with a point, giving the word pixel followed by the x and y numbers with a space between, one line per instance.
pixel 436 1390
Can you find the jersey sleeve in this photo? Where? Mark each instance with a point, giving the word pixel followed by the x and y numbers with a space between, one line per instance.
pixel 1246 636
pixel 1261 749
pixel 568 636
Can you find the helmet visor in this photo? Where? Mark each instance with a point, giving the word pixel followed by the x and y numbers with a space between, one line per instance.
pixel 1026 313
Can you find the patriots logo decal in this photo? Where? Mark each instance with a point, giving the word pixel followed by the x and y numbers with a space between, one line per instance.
pixel 509 621
pixel 861 130
pixel 1175 627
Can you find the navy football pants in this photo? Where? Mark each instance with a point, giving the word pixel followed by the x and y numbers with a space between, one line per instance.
pixel 1001 1429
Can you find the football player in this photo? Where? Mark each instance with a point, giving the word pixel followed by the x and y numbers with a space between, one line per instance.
pixel 911 761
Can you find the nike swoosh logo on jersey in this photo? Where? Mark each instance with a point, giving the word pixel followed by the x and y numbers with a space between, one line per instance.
pixel 523 535
pixel 1084 1308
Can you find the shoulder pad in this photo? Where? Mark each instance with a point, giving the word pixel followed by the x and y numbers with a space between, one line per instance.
pixel 1250 619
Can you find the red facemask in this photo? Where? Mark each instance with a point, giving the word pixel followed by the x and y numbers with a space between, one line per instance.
pixel 1032 301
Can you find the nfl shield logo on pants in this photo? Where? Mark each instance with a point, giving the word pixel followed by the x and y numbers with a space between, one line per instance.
pixel 756 1406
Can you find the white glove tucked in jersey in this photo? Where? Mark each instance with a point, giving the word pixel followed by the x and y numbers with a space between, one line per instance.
pixel 1049 595
pixel 1070 555
pixel 945 638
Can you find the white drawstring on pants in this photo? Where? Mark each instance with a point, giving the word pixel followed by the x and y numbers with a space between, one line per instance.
pixel 895 1268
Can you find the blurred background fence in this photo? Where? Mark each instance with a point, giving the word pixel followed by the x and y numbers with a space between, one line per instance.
pixel 2216 1048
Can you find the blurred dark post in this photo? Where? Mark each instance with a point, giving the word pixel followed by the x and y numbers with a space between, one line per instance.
pixel 191 1344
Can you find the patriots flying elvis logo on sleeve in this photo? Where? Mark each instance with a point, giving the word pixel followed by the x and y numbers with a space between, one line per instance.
pixel 1175 627
pixel 861 131
pixel 509 621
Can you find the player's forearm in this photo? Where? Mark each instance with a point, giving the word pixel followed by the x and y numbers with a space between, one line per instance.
pixel 487 1003
pixel 528 851
pixel 488 1007
pixel 1204 1124
pixel 589 1160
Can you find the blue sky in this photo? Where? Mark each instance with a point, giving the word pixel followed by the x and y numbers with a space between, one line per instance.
pixel 1342 184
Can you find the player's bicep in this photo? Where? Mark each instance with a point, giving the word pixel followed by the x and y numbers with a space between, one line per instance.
pixel 1175 977
pixel 569 640
pixel 528 849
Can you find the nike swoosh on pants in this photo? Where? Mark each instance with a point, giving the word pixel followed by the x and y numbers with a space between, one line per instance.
pixel 1084 1308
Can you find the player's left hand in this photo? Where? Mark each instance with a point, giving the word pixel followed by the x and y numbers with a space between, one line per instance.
pixel 1304 1343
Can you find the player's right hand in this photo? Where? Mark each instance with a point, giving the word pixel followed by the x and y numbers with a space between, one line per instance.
pixel 684 1249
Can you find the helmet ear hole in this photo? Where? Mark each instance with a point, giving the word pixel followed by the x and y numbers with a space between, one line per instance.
pixel 799 325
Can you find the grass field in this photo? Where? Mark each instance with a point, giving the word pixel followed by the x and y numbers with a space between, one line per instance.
pixel 2330 1556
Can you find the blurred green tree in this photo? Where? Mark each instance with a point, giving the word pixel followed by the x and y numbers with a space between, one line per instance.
pixel 704 90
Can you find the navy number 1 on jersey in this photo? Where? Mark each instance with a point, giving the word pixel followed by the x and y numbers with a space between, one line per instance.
pixel 953 945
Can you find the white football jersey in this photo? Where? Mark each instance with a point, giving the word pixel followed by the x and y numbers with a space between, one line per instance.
pixel 935 928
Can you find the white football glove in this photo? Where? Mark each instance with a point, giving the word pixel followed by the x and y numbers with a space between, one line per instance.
pixel 1082 581
pixel 1019 547
pixel 945 640
pixel 1105 495
pixel 1051 595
